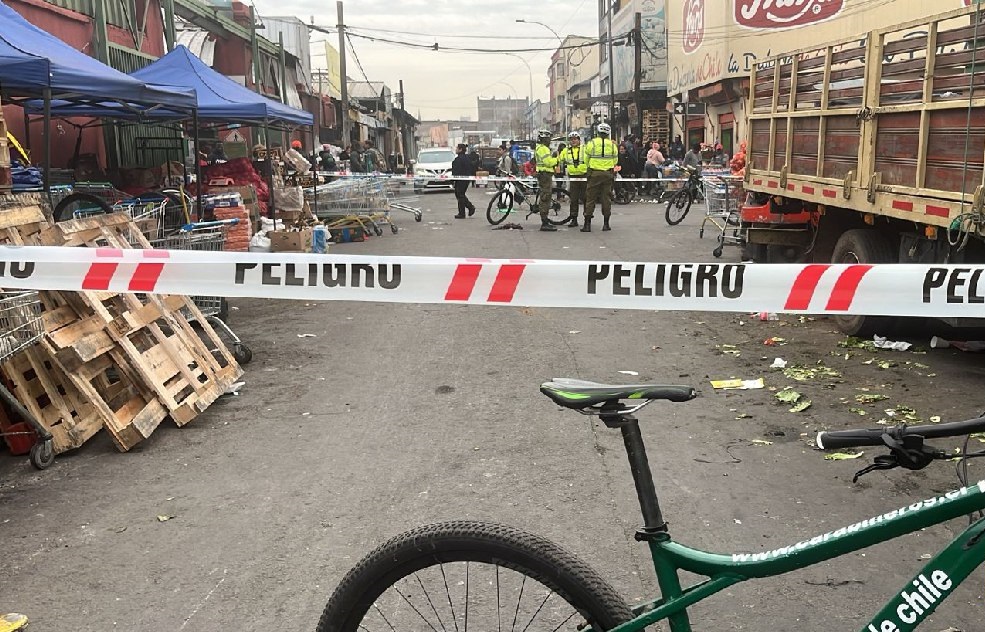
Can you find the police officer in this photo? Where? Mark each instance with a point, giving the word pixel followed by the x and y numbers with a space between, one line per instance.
pixel 601 157
pixel 573 160
pixel 546 162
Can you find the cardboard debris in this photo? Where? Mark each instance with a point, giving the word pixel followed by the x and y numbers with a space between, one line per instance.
pixel 737 385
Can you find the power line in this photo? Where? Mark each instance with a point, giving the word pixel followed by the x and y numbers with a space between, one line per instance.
pixel 356 57
pixel 437 47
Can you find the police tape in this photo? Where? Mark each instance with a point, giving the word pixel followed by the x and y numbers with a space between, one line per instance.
pixel 842 289
pixel 490 178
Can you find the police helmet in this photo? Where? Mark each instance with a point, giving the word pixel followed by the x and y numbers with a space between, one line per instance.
pixel 574 135
pixel 543 135
pixel 604 128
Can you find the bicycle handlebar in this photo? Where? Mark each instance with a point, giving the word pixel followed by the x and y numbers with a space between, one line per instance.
pixel 861 437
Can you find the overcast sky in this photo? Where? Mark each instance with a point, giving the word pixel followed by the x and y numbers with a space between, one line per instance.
pixel 444 85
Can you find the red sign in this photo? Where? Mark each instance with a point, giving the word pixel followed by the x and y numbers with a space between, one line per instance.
pixel 781 14
pixel 694 24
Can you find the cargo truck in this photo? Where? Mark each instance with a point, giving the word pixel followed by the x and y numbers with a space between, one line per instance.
pixel 871 150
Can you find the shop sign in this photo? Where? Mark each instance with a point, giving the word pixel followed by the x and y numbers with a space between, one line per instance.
pixel 694 24
pixel 783 14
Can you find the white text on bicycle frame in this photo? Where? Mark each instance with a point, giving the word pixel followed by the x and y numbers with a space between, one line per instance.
pixel 922 598
pixel 858 526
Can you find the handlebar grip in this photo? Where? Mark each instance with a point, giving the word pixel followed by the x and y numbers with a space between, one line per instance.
pixel 833 440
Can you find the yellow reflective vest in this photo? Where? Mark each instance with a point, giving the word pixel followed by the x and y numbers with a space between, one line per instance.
pixel 573 159
pixel 545 161
pixel 601 153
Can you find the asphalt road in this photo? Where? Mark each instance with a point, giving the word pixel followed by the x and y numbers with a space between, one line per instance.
pixel 397 415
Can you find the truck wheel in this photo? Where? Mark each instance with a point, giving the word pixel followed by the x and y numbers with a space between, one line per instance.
pixel 863 246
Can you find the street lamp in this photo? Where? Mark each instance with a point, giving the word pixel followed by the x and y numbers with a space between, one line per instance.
pixel 567 66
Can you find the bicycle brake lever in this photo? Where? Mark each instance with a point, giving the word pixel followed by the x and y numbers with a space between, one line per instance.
pixel 881 462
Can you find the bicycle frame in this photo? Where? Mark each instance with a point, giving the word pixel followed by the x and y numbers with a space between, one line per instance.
pixel 902 613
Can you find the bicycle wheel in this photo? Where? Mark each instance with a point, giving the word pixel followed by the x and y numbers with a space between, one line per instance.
pixel 81 204
pixel 678 206
pixel 559 214
pixel 499 207
pixel 454 575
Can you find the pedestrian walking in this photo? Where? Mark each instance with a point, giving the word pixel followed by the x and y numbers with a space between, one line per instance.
pixel 676 151
pixel 505 166
pixel 693 158
pixel 601 157
pixel 462 166
pixel 573 163
pixel 372 157
pixel 545 162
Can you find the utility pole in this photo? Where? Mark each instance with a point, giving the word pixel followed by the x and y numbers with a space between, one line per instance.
pixel 344 81
pixel 401 147
pixel 638 64
pixel 612 74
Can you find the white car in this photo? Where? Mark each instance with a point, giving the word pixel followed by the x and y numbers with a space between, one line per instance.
pixel 433 168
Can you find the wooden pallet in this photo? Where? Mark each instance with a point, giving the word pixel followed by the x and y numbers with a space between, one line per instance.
pixel 72 400
pixel 153 333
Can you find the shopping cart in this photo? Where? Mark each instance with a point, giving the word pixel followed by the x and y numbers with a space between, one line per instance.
pixel 20 327
pixel 724 196
pixel 210 236
pixel 364 201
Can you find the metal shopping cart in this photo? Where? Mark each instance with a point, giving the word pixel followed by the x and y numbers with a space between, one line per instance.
pixel 363 201
pixel 723 202
pixel 210 236
pixel 20 327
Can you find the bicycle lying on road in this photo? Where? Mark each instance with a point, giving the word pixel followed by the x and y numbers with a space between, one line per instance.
pixel 482 576
pixel 512 193
pixel 680 203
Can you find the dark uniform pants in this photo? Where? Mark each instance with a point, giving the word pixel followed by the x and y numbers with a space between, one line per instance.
pixel 576 190
pixel 545 181
pixel 599 189
pixel 464 203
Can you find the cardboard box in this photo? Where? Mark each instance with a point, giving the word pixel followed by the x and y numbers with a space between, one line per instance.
pixel 347 234
pixel 290 240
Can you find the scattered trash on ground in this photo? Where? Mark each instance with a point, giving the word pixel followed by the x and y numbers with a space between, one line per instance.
pixel 868 398
pixel 801 406
pixel 842 456
pixel 629 372
pixel 858 411
pixel 737 385
pixel 787 396
pixel 164 518
pixel 509 226
pixel 766 316
pixel 805 373
pixel 775 341
pixel 307 335
pixel 778 363
pixel 760 442
pixel 728 349
pixel 894 345
pixel 574 331
pixel 852 342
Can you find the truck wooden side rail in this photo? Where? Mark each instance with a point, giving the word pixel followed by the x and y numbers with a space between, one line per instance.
pixel 871 149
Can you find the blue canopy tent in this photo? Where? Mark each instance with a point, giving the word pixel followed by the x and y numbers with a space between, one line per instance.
pixel 36 64
pixel 218 98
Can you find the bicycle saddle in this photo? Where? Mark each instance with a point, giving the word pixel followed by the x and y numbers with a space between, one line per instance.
pixel 578 394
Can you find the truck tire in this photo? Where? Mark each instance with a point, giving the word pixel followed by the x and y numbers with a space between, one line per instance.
pixel 863 246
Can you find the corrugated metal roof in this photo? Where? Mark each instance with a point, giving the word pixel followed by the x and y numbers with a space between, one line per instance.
pixel 368 90
pixel 296 41
pixel 199 42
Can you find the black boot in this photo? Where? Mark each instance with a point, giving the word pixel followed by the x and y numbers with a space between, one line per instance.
pixel 605 223
pixel 573 221
pixel 471 211
pixel 547 226
pixel 587 226
pixel 460 216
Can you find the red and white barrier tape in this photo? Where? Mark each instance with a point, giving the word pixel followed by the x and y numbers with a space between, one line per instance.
pixel 892 290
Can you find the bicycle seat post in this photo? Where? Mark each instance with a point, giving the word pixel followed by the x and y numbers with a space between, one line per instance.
pixel 654 527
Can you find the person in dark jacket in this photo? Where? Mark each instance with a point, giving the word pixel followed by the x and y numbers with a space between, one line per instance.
pixel 462 166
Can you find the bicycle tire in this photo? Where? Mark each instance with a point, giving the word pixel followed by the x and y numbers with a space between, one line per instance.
pixel 533 557
pixel 558 215
pixel 76 198
pixel 495 212
pixel 681 200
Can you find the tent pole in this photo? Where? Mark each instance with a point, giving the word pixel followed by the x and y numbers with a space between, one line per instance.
pixel 198 169
pixel 47 142
pixel 270 175
pixel 27 132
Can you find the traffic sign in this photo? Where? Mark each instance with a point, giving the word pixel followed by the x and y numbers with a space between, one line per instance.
pixel 690 109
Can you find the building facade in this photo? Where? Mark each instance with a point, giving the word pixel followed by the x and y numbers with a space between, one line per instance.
pixel 505 116
pixel 576 59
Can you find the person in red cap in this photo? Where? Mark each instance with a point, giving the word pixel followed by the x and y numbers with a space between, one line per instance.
pixel 296 144
pixel 720 159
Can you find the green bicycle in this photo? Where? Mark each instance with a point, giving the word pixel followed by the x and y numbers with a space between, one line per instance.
pixel 482 576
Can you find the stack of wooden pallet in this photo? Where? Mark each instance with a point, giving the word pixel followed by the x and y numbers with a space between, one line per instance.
pixel 6 181
pixel 122 362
